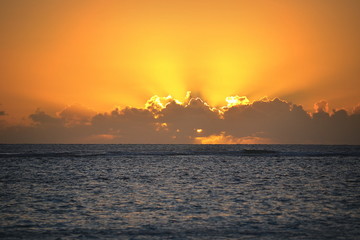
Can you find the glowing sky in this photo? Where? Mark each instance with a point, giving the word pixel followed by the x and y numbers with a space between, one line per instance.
pixel 107 54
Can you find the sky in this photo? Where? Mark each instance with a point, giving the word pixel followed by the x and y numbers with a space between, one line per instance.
pixel 199 71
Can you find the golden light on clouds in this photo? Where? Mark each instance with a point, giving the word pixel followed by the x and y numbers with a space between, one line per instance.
pixel 236 100
pixel 222 138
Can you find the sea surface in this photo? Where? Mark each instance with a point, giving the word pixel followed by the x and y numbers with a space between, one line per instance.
pixel 179 192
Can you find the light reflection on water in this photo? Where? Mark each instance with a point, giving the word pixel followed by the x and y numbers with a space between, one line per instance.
pixel 97 191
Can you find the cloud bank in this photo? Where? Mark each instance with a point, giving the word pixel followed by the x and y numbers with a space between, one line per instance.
pixel 167 120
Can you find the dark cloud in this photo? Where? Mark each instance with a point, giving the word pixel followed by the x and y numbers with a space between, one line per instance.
pixel 275 119
pixel 42 119
pixel 2 113
pixel 129 125
pixel 165 120
pixel 284 122
pixel 185 122
pixel 76 114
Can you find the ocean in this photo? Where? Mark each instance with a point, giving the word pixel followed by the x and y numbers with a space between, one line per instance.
pixel 179 192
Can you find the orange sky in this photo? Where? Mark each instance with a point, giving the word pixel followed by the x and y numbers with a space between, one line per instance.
pixel 103 54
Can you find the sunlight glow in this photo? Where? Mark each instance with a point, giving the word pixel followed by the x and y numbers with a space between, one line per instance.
pixel 223 138
pixel 236 100
pixel 120 53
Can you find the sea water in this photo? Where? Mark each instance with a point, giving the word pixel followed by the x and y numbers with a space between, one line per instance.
pixel 179 192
